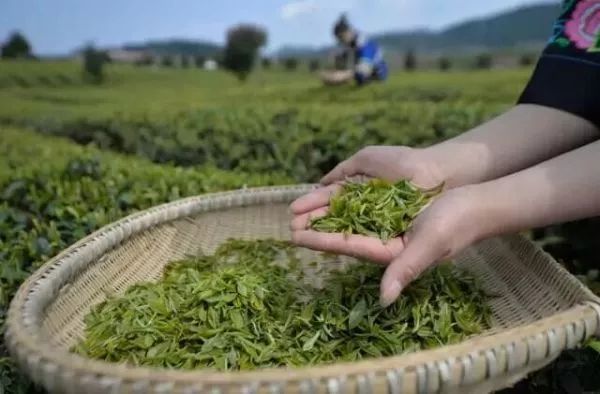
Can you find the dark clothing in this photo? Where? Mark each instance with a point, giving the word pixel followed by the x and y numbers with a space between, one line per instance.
pixel 567 76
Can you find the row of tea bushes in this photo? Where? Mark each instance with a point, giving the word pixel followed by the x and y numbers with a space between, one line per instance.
pixel 303 143
pixel 53 192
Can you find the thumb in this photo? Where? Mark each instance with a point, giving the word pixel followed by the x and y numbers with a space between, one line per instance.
pixel 346 168
pixel 418 255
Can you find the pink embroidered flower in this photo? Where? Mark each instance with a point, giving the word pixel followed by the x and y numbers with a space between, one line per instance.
pixel 584 27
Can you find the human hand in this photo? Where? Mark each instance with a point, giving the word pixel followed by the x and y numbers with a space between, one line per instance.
pixel 451 223
pixel 391 163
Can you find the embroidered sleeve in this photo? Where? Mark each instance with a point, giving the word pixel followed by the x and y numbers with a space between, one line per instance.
pixel 567 76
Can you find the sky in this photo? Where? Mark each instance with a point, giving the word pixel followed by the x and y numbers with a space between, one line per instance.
pixel 60 26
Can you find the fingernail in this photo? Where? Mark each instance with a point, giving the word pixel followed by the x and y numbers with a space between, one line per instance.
pixel 389 293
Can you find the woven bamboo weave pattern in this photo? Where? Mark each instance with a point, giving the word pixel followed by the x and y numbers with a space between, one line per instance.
pixel 540 309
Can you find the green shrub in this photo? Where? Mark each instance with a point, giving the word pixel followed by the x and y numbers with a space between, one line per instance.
pixel 68 191
pixel 290 63
pixel 93 65
pixel 444 64
pixel 410 60
pixel 484 61
pixel 15 47
pixel 241 50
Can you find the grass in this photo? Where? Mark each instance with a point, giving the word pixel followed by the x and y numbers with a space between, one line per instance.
pixel 135 91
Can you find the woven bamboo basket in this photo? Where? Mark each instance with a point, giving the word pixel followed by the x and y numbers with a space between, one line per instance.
pixel 541 309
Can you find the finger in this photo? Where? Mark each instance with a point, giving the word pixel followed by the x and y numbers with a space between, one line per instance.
pixel 315 199
pixel 302 222
pixel 420 253
pixel 343 170
pixel 353 245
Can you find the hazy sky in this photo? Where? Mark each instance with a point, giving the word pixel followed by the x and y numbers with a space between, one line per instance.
pixel 58 26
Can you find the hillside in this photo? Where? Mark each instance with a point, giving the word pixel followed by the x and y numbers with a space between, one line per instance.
pixel 528 26
pixel 522 27
pixel 519 27
pixel 176 47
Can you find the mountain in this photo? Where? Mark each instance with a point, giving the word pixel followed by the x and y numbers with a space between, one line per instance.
pixel 527 26
pixel 176 47
pixel 523 26
pixel 300 51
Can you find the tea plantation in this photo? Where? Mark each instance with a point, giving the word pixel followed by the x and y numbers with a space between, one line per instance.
pixel 74 157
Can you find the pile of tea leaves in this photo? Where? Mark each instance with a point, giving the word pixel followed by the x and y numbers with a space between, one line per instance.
pixel 376 208
pixel 248 306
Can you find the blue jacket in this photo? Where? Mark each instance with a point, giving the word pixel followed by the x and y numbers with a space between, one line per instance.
pixel 370 64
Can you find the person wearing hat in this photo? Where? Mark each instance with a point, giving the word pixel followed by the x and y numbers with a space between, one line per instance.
pixel 368 57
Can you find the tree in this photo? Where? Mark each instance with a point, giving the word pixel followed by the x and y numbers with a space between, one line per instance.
pixel 290 63
pixel 17 46
pixel 145 60
pixel 241 50
pixel 167 61
pixel 93 64
pixel 266 63
pixel 444 64
pixel 199 61
pixel 483 61
pixel 526 60
pixel 410 60
pixel 185 62
pixel 314 65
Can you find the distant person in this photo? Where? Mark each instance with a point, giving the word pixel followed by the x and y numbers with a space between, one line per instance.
pixel 368 57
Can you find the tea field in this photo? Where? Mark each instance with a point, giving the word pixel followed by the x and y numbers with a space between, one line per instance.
pixel 75 156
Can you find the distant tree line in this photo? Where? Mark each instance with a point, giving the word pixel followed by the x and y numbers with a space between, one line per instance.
pixel 182 61
pixel 240 56
pixel 410 61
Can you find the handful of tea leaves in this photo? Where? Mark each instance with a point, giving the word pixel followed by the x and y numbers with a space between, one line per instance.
pixel 247 307
pixel 376 208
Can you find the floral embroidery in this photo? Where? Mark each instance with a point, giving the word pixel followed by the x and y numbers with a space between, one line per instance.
pixel 583 28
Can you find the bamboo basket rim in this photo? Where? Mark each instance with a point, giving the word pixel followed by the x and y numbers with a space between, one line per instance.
pixel 28 346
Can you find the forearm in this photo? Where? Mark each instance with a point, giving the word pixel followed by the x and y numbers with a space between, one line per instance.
pixel 522 137
pixel 559 190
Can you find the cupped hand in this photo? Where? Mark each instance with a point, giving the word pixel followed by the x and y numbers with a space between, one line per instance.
pixel 391 163
pixel 448 225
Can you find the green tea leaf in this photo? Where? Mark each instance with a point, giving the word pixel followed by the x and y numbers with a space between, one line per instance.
pixel 237 319
pixel 308 345
pixel 376 209
pixel 595 345
pixel 197 316
pixel 242 289
pixel 357 314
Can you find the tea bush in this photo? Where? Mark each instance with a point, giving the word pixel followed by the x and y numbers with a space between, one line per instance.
pixel 278 127
pixel 53 193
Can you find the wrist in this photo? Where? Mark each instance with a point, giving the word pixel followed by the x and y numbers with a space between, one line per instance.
pixel 426 172
pixel 454 164
pixel 491 212
pixel 477 215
